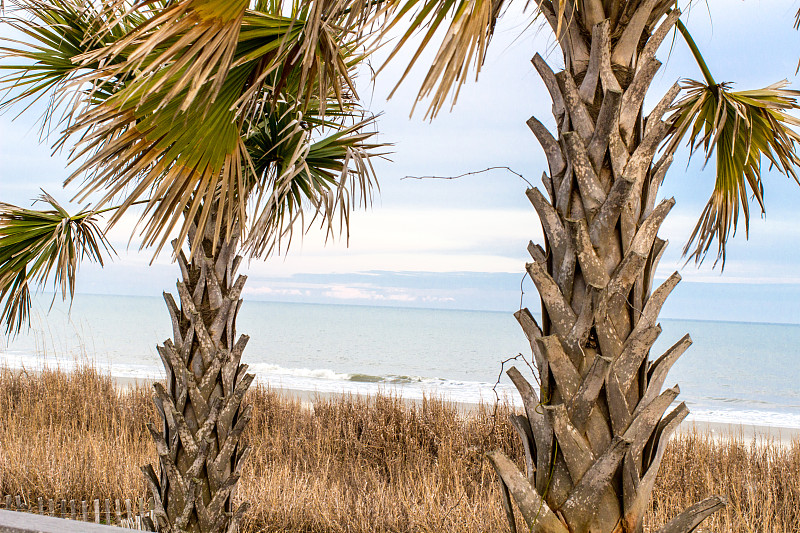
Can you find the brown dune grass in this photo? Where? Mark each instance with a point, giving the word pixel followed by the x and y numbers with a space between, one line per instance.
pixel 356 465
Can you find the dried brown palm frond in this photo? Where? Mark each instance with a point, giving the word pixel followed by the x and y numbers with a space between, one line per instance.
pixel 464 29
pixel 37 245
pixel 463 46
pixel 187 43
pixel 740 128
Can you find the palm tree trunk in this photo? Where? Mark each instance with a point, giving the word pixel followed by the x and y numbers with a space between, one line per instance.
pixel 596 436
pixel 201 406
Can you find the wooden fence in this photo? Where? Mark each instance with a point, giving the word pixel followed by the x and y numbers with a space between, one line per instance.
pixel 128 514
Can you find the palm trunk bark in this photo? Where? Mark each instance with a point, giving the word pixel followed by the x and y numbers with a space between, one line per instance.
pixel 595 437
pixel 201 406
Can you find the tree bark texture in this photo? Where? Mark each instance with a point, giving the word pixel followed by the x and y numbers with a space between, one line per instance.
pixel 595 435
pixel 203 416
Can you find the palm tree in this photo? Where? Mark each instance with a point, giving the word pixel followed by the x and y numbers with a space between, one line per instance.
pixel 595 433
pixel 226 121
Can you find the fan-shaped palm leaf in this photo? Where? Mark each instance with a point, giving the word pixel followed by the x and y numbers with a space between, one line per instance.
pixel 180 159
pixel 140 134
pixel 741 127
pixel 37 245
pixel 186 42
pixel 331 174
pixel 55 33
pixel 193 44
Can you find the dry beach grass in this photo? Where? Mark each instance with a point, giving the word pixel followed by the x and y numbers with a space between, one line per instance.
pixel 352 464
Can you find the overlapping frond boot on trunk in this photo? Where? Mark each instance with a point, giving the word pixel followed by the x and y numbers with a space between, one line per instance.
pixel 199 450
pixel 595 436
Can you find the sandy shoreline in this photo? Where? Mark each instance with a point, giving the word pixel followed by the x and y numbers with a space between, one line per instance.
pixel 742 432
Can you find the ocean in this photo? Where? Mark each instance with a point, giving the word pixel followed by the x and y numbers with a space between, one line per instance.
pixel 734 372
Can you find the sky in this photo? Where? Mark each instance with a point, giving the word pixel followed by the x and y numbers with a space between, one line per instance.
pixel 461 243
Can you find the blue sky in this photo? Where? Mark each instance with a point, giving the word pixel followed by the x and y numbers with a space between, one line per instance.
pixel 461 243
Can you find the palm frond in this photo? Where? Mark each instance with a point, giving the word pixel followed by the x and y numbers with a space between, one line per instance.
pixel 463 46
pixel 314 45
pixel 192 45
pixel 166 105
pixel 742 128
pixel 56 32
pixel 179 159
pixel 188 43
pixel 37 245
pixel 299 169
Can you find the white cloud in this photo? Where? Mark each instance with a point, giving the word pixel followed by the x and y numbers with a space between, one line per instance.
pixel 430 240
pixel 480 240
pixel 438 299
pixel 270 291
pixel 391 239
pixel 353 292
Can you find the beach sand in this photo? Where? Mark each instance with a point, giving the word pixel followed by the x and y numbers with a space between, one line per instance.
pixel 720 430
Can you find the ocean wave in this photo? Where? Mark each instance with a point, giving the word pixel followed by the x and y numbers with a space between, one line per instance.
pixel 410 387
pixel 19 360
pixel 747 417
pixel 332 375
pixel 312 373
pixel 366 378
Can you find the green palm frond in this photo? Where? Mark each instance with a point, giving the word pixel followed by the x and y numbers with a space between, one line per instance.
pixel 297 169
pixel 742 128
pixel 179 159
pixel 36 245
pixel 44 65
pixel 62 32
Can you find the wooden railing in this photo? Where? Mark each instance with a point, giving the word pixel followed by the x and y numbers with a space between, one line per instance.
pixel 135 515
pixel 13 522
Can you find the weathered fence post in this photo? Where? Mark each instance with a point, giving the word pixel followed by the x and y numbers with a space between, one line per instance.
pixel 136 513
